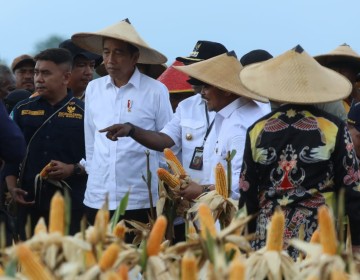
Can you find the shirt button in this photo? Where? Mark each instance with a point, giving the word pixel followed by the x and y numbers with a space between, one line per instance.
pixel 47 136
pixel 49 122
pixel 45 153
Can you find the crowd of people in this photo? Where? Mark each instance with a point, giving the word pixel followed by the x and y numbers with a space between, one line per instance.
pixel 292 122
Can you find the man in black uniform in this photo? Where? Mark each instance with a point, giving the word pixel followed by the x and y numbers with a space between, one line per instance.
pixel 52 124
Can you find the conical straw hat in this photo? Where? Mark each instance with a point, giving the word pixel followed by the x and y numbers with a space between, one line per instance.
pixel 295 77
pixel 343 53
pixel 121 31
pixel 221 71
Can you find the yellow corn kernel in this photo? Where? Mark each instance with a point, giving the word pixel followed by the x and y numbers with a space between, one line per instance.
pixel 2 272
pixel 156 236
pixel 44 173
pixel 90 259
pixel 189 270
pixel 57 214
pixel 220 180
pixel 123 272
pixel 315 238
pixel 109 257
pixel 31 265
pixel 171 180
pixel 312 277
pixel 327 231
pixel 40 227
pixel 237 270
pixel 207 223
pixel 179 169
pixel 275 232
pixel 120 230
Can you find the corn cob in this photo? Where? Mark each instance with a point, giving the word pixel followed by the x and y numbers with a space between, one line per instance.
pixel 89 259
pixel 44 172
pixel 171 180
pixel 120 230
pixel 327 231
pixel 31 265
pixel 123 272
pixel 275 232
pixel 101 222
pixel 207 223
pixel 220 180
pixel 177 167
pixel 237 270
pixel 189 270
pixel 40 227
pixel 57 214
pixel 156 236
pixel 315 238
pixel 109 257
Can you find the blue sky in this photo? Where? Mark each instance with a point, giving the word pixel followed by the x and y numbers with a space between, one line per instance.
pixel 173 27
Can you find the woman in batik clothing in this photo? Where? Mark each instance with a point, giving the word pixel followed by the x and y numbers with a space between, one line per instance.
pixel 298 152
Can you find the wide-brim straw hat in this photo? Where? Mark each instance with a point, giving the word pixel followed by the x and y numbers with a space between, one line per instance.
pixel 295 77
pixel 342 54
pixel 176 81
pixel 221 71
pixel 124 31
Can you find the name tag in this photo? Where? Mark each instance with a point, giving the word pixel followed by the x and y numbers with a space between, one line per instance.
pixel 33 113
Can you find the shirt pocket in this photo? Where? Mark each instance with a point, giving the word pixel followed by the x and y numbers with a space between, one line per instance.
pixel 193 132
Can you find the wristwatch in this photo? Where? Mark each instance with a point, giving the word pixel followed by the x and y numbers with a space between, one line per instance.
pixel 132 129
pixel 77 169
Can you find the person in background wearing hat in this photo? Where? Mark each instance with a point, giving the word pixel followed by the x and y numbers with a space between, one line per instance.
pixel 345 61
pixel 53 127
pixel 7 81
pixel 23 69
pixel 297 153
pixel 353 123
pixel 177 84
pixel 125 95
pixel 82 72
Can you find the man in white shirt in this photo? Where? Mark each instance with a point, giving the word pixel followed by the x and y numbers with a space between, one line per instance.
pixel 125 96
pixel 235 111
pixel 190 127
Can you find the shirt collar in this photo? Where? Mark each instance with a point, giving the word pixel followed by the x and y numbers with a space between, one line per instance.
pixel 134 79
pixel 230 108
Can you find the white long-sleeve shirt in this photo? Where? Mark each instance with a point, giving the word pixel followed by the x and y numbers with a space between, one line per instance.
pixel 114 167
pixel 187 129
pixel 231 124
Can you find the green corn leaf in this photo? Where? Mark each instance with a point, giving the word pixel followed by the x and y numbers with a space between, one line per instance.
pixel 120 210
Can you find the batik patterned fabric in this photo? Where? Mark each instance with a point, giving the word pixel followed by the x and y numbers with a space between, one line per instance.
pixel 292 157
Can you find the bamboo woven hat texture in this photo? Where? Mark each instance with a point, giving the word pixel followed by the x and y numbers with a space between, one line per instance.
pixel 344 53
pixel 123 30
pixel 295 77
pixel 221 71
